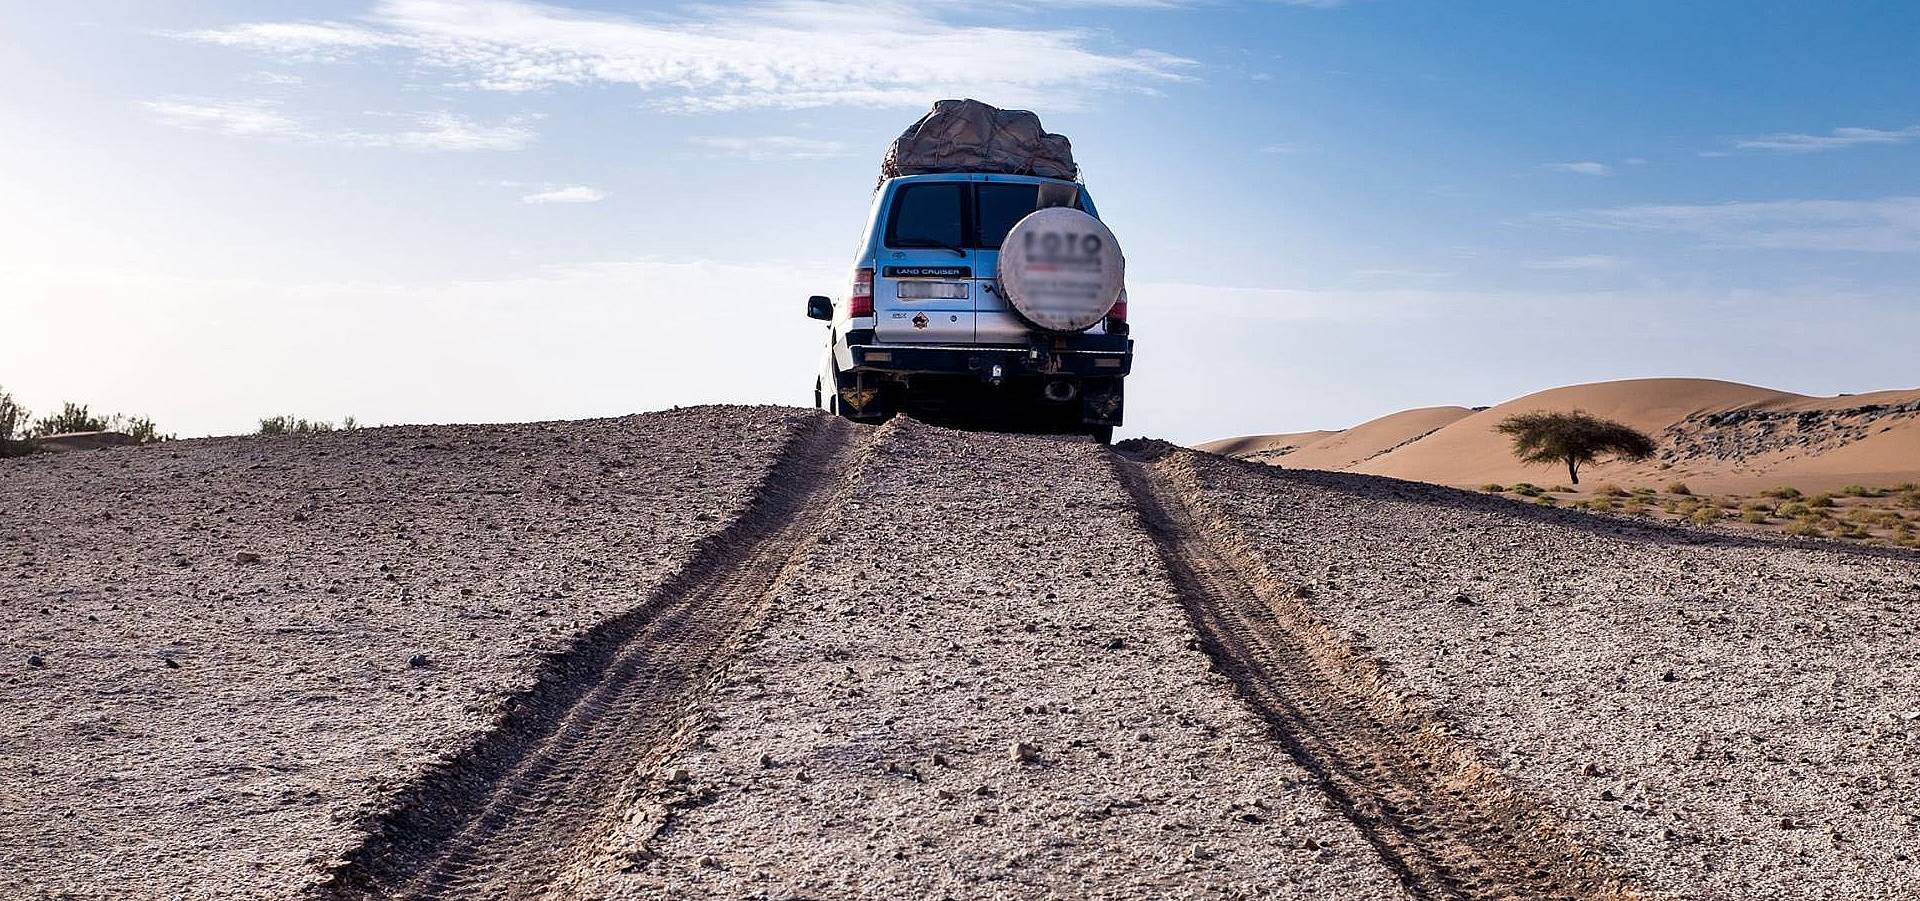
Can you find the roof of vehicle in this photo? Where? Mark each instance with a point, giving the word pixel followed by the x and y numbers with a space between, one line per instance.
pixel 981 176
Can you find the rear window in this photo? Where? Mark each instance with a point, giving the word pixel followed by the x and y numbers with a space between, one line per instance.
pixel 928 215
pixel 998 207
pixel 936 214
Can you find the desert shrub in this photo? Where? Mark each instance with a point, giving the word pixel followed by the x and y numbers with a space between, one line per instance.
pixel 1806 528
pixel 1575 439
pixel 1910 498
pixel 1561 489
pixel 1527 489
pixel 1610 490
pixel 1756 507
pixel 1704 514
pixel 1493 487
pixel 71 418
pixel 1820 501
pixel 1679 488
pixel 1634 506
pixel 290 425
pixel 1859 491
pixel 1784 492
pixel 1546 500
pixel 1601 503
pixel 1793 509
pixel 14 418
pixel 1754 516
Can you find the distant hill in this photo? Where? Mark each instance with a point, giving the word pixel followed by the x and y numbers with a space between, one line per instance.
pixel 1716 436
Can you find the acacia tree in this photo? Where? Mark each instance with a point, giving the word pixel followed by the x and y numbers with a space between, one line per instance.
pixel 1577 439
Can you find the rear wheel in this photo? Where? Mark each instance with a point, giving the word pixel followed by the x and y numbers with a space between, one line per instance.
pixel 1102 434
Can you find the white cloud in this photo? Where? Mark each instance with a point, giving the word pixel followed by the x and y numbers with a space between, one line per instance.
pixel 1586 167
pixel 275 79
pixel 790 54
pixel 232 117
pixel 260 118
pixel 1589 262
pixel 772 147
pixel 1883 225
pixel 567 194
pixel 1837 139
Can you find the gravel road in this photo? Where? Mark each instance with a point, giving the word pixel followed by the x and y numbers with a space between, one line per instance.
pixel 754 652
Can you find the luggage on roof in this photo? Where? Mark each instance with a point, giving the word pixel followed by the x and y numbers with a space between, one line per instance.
pixel 970 136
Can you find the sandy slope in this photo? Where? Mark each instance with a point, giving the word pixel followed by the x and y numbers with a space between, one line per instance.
pixel 1815 443
pixel 1369 440
pixel 1285 442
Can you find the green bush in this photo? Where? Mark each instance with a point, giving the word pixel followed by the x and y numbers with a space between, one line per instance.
pixel 1784 492
pixel 1608 489
pixel 71 418
pixel 1859 491
pixel 1705 513
pixel 1754 516
pixel 291 425
pixel 1805 528
pixel 1820 501
pixel 1793 509
pixel 1493 487
pixel 1679 488
pixel 1528 489
pixel 1561 489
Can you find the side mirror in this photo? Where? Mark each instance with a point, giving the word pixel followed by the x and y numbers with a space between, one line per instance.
pixel 820 307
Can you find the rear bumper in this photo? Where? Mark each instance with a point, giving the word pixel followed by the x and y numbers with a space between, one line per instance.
pixel 1086 356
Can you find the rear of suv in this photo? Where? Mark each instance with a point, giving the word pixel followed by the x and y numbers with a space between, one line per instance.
pixel 927 329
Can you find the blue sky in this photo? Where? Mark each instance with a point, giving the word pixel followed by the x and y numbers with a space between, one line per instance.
pixel 432 211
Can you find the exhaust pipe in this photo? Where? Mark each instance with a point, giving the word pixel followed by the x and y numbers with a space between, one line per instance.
pixel 1061 390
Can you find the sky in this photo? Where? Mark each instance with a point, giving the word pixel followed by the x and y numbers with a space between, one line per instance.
pixel 438 211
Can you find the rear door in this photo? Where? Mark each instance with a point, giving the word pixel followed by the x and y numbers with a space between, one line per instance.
pixel 999 204
pixel 923 284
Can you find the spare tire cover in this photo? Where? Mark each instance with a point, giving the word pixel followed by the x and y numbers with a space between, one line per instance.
pixel 1061 269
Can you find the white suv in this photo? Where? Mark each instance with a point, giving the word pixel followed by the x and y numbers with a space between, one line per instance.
pixel 927 328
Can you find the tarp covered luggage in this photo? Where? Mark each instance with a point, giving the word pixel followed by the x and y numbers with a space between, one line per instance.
pixel 970 136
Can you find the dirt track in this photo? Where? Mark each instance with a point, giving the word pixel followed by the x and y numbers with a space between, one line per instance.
pixel 758 653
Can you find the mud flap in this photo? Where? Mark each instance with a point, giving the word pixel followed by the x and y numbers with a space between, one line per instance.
pixel 1102 403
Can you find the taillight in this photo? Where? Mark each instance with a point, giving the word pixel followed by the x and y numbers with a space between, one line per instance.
pixel 1117 316
pixel 861 303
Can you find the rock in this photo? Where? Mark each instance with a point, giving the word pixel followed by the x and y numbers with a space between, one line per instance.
pixel 1022 752
pixel 1594 770
pixel 245 557
pixel 766 761
pixel 676 776
pixel 418 660
pixel 1115 644
pixel 1669 676
pixel 939 759
pixel 170 662
pixel 945 794
pixel 36 660
pixel 1143 735
pixel 1197 853
pixel 708 862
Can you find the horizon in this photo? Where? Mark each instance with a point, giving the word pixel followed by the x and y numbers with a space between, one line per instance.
pixel 414 211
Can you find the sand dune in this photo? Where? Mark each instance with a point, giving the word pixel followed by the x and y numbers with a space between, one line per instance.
pixel 1716 436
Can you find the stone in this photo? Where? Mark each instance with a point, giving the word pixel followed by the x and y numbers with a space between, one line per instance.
pixel 245 557
pixel 1022 752
pixel 417 661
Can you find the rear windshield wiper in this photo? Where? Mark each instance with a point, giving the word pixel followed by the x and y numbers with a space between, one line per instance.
pixel 932 245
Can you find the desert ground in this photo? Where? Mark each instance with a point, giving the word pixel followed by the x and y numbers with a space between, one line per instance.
pixel 1749 459
pixel 764 653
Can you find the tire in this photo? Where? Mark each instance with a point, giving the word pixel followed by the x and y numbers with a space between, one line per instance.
pixel 1101 434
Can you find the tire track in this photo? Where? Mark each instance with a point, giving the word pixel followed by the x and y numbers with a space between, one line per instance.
pixel 1448 825
pixel 544 792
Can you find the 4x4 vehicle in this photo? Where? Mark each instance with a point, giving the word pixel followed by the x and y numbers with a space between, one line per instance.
pixel 928 328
